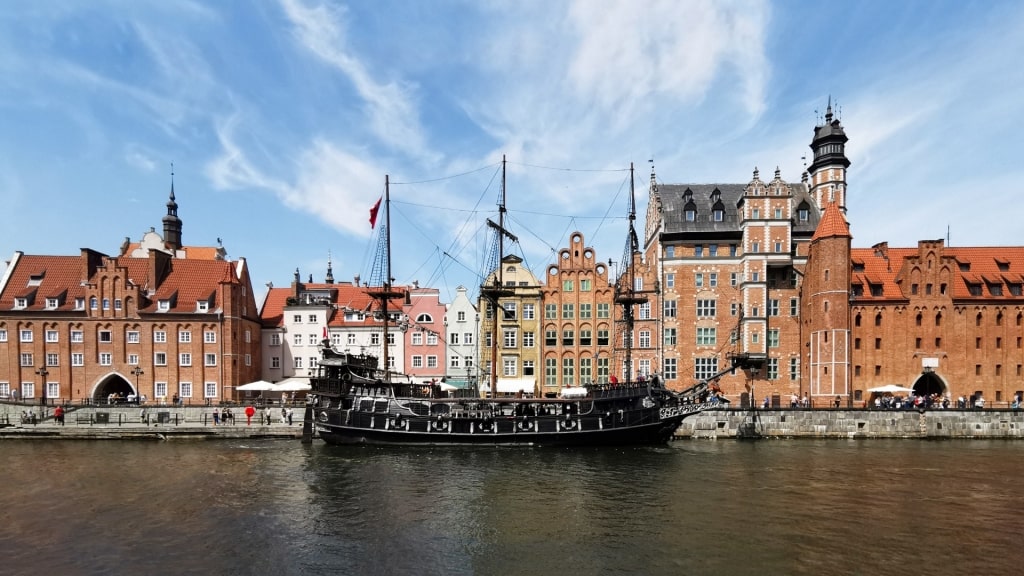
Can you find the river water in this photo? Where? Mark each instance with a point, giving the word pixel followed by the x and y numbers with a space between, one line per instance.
pixel 690 507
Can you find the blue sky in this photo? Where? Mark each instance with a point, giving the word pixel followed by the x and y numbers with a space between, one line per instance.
pixel 283 117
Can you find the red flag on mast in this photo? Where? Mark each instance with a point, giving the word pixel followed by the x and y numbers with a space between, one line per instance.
pixel 373 213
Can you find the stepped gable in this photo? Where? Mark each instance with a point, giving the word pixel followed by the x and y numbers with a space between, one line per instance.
pixel 832 224
pixel 186 282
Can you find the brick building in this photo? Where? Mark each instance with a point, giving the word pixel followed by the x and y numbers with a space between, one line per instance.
pixel 158 320
pixel 578 321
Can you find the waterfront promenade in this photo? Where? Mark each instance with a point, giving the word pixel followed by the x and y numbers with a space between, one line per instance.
pixel 196 422
pixel 143 423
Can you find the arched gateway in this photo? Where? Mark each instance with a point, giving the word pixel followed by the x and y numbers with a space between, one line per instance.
pixel 929 383
pixel 112 383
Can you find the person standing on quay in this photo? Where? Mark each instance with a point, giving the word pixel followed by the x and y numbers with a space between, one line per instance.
pixel 216 416
pixel 249 413
pixel 58 415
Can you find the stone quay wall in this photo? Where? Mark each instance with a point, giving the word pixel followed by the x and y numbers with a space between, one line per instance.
pixel 839 423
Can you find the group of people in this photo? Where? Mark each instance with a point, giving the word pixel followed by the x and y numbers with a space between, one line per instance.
pixel 223 416
pixel 250 412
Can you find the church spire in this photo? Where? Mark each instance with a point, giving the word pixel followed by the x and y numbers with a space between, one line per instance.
pixel 172 224
pixel 829 162
pixel 330 273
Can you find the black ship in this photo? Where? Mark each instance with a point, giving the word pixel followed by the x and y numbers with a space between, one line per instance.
pixel 355 401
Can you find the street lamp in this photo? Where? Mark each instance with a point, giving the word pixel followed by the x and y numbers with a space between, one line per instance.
pixel 43 373
pixel 137 371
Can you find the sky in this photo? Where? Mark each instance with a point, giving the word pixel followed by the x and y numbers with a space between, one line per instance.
pixel 282 119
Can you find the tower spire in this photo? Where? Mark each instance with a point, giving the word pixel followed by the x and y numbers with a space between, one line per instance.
pixel 172 224
pixel 330 273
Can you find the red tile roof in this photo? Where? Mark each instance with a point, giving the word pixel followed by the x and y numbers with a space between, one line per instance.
pixel 832 225
pixel 344 295
pixel 189 279
pixel 886 266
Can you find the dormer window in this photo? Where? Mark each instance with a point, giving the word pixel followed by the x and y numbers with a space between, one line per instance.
pixel 995 289
pixel 964 266
pixel 52 303
pixel 79 303
pixel 691 215
pixel 424 318
pixel 163 305
pixel 202 306
pixel 21 302
pixel 718 214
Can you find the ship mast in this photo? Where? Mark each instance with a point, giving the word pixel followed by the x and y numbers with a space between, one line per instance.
pixel 385 292
pixel 627 296
pixel 497 290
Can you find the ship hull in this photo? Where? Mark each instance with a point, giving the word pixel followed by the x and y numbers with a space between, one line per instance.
pixel 339 427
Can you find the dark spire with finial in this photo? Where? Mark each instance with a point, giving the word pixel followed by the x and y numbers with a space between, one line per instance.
pixel 330 273
pixel 172 224
pixel 829 144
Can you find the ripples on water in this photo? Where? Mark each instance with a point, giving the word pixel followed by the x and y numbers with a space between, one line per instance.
pixel 692 507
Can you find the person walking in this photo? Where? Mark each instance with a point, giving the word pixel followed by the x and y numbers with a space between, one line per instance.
pixel 249 413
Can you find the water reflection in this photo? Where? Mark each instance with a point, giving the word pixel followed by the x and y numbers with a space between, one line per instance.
pixel 278 507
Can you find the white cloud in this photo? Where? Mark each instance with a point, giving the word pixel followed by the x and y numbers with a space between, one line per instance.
pixel 391 106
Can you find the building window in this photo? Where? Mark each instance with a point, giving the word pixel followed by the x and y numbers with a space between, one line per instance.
pixel 705 308
pixel 313 339
pixel 602 338
pixel 550 311
pixel 713 279
pixel 509 338
pixel 550 371
pixel 133 337
pixel 297 362
pixel 585 285
pixel 645 339
pixel 528 312
pixel 670 336
pixel 706 336
pixel 133 359
pixel 670 308
pixel 52 335
pixel 586 338
pixel 773 338
pixel 275 339
pixel 467 338
pixel 163 305
pixel 645 311
pixel 275 362
pixel 669 369
pixel 106 358
pixel 510 310
pixel 508 367
pixel 26 336
pixel 3 335
pixel 568 337
pixel 417 339
pixel 586 310
pixel 160 359
pixel 586 370
pixel 52 359
pixel 698 251
pixel 210 360
pixel 417 361
pixel 755 247
pixel 529 339
pixel 184 359
pixel 670 251
pixel 210 390
pixel 159 336
pixel 297 339
pixel 210 337
pixel 704 368
pixel 93 303
pixel 568 311
pixel 698 280
pixel 77 359
pixel 773 369
pixel 26 359
pixel 160 389
pixel 670 280
pixel 794 307
pixel 527 366
pixel 185 389
pixel 453 338
pixel 567 285
pixel 568 372
pixel 454 361
pixel 297 318
pixel 603 310
pixel 106 336
pixel 773 307
pixel 794 368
